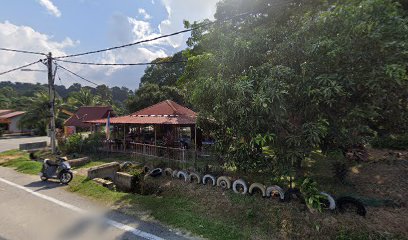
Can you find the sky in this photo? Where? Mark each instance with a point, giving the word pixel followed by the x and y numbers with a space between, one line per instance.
pixel 73 26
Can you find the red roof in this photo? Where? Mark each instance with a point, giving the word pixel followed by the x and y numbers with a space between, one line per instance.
pixel 166 112
pixel 85 114
pixel 6 114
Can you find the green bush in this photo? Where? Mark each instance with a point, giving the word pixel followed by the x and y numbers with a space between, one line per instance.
pixel 397 142
pixel 73 144
pixel 92 143
pixel 312 196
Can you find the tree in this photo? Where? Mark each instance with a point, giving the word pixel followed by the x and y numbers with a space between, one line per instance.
pixel 165 73
pixel 38 115
pixel 276 86
pixel 150 94
pixel 84 97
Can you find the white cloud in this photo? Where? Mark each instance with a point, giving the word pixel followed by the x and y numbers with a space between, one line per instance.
pixel 179 10
pixel 51 8
pixel 26 38
pixel 144 14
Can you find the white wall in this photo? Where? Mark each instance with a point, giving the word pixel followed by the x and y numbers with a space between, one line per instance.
pixel 14 125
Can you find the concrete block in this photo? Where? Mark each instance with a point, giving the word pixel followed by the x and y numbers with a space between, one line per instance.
pixel 107 170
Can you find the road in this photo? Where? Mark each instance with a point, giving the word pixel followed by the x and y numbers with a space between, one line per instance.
pixel 14 143
pixel 32 209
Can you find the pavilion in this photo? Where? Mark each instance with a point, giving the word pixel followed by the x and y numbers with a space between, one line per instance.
pixel 155 130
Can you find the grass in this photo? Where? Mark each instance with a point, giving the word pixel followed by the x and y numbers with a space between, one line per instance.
pixel 177 211
pixel 20 162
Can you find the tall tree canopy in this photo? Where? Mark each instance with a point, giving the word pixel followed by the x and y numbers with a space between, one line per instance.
pixel 297 75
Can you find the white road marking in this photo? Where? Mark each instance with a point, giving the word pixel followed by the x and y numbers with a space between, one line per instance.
pixel 113 223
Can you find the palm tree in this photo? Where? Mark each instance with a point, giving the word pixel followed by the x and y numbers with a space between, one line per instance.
pixel 38 114
pixel 84 98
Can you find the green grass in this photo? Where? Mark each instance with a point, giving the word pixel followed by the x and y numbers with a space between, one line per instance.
pixel 21 163
pixel 177 211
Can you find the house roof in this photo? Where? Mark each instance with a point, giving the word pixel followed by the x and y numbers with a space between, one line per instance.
pixel 84 114
pixel 6 114
pixel 166 112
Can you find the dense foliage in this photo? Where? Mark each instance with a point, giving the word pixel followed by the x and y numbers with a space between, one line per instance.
pixel 310 75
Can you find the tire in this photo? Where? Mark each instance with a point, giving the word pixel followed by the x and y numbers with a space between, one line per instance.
pixel 208 176
pixel 242 183
pixel 182 174
pixel 66 177
pixel 276 189
pixel 168 172
pixel 194 175
pixel 343 202
pixel 174 173
pixel 43 178
pixel 224 182
pixel 156 172
pixel 332 202
pixel 259 186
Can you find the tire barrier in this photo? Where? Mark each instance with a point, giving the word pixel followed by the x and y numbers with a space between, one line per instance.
pixel 182 174
pixel 156 172
pixel 259 186
pixel 193 176
pixel 211 177
pixel 168 172
pixel 242 183
pixel 344 202
pixel 224 182
pixel 275 189
pixel 332 203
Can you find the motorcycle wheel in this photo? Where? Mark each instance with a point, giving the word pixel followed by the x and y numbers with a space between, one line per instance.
pixel 66 177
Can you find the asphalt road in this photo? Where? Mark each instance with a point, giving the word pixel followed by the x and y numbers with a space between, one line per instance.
pixel 14 143
pixel 32 209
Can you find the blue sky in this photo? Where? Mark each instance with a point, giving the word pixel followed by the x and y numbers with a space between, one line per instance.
pixel 72 26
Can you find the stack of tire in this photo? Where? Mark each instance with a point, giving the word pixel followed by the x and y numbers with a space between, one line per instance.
pixel 240 186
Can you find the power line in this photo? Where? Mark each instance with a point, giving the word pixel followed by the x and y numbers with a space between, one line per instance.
pixel 18 68
pixel 22 51
pixel 75 74
pixel 157 38
pixel 121 64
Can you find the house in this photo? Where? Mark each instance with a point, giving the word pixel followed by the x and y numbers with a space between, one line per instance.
pixel 78 122
pixel 10 120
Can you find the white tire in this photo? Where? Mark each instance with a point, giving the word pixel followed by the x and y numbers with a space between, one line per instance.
pixel 183 174
pixel 193 175
pixel 275 189
pixel 224 182
pixel 211 177
pixel 242 183
pixel 259 186
pixel 332 202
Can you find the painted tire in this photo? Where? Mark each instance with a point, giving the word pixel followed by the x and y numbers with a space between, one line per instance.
pixel 168 172
pixel 332 203
pixel 182 174
pixel 259 186
pixel 224 182
pixel 208 176
pixel 343 202
pixel 193 175
pixel 174 173
pixel 275 189
pixel 242 183
pixel 156 172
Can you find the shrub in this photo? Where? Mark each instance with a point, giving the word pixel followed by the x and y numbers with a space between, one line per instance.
pixel 73 143
pixel 312 196
pixel 397 142
pixel 93 142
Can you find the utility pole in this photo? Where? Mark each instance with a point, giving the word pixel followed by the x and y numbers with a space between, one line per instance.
pixel 51 90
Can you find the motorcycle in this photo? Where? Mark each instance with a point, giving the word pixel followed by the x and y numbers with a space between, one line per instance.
pixel 59 169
